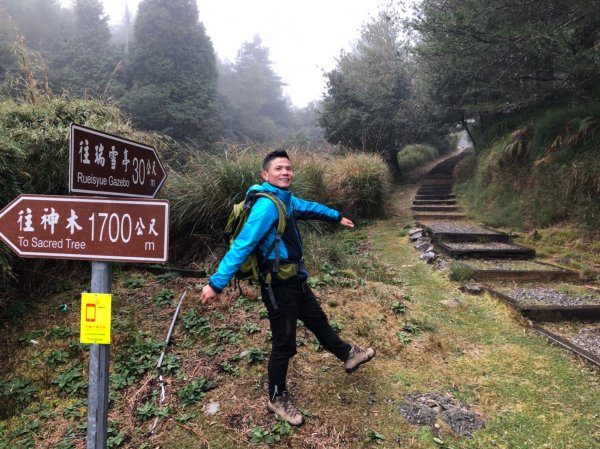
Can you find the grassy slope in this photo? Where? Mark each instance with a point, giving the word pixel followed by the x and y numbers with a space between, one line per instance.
pixel 532 394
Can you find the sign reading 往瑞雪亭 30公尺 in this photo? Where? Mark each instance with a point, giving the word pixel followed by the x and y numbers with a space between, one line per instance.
pixel 103 164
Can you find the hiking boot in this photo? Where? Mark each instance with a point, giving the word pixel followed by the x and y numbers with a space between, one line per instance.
pixel 357 357
pixel 283 407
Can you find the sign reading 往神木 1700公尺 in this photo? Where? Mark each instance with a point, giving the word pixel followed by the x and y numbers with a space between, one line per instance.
pixel 103 164
pixel 86 228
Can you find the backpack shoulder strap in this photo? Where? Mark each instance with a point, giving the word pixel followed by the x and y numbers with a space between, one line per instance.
pixel 281 211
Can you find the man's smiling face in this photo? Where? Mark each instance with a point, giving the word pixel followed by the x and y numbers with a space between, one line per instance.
pixel 279 173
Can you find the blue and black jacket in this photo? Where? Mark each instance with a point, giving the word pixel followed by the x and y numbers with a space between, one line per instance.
pixel 260 231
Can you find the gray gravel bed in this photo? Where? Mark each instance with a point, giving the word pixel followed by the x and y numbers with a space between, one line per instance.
pixel 479 246
pixel 583 335
pixel 459 228
pixel 589 340
pixel 511 265
pixel 549 296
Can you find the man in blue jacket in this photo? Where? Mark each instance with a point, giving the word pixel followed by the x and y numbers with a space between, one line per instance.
pixel 287 298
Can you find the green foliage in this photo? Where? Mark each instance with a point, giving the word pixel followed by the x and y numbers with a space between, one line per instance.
pixel 171 364
pixel 229 368
pixel 57 357
pixel 459 272
pixel 164 297
pixel 138 355
pixel 398 308
pixel 336 326
pixel 281 429
pixel 194 392
pixel 414 156
pixel 61 332
pixel 172 72
pixel 82 59
pixel 359 185
pixel 371 102
pixel 254 104
pixel 149 410
pixel 374 437
pixel 255 355
pixel 166 277
pixel 135 282
pixel 540 172
pixel 15 395
pixel 497 56
pixel 250 328
pixel 71 381
pixel 195 324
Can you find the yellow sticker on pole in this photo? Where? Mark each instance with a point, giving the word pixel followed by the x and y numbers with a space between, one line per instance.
pixel 95 318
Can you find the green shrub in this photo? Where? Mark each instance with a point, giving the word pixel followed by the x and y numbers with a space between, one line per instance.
pixel 358 185
pixel 460 272
pixel 414 156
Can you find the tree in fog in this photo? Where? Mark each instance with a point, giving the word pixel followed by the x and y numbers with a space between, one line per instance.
pixel 369 104
pixel 172 72
pixel 83 62
pixel 495 56
pixel 253 104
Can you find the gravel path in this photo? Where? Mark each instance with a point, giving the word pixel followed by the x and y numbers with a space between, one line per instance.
pixel 584 335
pixel 549 296
pixel 480 246
pixel 459 228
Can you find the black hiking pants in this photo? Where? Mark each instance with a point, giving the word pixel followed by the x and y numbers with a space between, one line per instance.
pixel 295 301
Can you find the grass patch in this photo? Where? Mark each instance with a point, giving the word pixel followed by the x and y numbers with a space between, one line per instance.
pixel 460 272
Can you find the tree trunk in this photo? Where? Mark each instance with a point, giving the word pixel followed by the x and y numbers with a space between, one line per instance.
pixel 464 124
pixel 391 158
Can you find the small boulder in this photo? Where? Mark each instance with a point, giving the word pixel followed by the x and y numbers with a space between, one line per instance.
pixel 428 256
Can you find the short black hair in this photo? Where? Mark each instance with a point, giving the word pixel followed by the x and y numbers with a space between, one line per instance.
pixel 273 155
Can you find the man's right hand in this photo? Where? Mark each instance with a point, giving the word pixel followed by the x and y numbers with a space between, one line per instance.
pixel 208 294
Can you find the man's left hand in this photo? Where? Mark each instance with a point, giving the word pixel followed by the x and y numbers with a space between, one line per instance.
pixel 346 222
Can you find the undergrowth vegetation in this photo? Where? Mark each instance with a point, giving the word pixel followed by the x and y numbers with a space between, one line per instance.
pixel 204 191
pixel 536 171
pixel 413 156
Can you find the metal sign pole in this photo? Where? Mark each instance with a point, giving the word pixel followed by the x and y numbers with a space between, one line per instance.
pixel 98 378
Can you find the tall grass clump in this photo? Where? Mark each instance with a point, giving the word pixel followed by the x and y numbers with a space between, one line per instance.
pixel 358 185
pixel 416 155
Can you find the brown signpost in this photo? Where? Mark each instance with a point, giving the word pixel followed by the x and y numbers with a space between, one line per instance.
pixel 102 164
pixel 86 228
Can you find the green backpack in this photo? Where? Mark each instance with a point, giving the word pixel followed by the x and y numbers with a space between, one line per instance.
pixel 237 219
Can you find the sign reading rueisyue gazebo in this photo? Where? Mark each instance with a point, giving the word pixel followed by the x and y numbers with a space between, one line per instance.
pixel 103 164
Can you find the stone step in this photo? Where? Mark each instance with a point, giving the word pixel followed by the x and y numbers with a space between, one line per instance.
pixel 438 216
pixel 435 197
pixel 488 250
pixel 436 208
pixel 462 232
pixel 434 202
